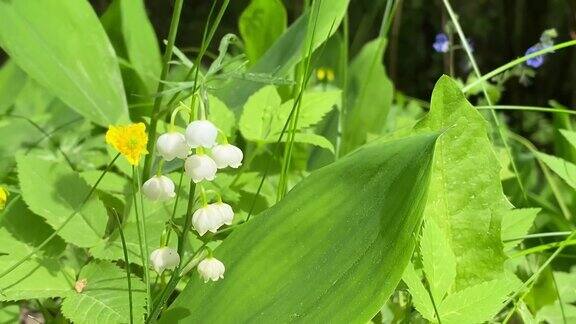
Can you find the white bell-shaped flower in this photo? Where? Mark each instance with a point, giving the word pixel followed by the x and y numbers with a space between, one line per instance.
pixel 201 133
pixel 226 212
pixel 200 167
pixel 158 188
pixel 227 155
pixel 164 258
pixel 207 219
pixel 172 145
pixel 211 269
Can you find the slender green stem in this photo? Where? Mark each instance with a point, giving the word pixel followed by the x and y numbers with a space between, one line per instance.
pixel 515 62
pixel 562 310
pixel 127 261
pixel 344 78
pixel 538 235
pixel 158 99
pixel 528 283
pixel 141 231
pixel 529 108
pixel 468 50
pixel 427 286
pixel 66 221
pixel 543 247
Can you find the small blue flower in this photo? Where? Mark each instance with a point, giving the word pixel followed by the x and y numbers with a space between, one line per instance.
pixel 442 43
pixel 537 61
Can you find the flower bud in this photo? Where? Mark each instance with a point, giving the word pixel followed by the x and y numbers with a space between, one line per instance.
pixel 164 258
pixel 158 188
pixel 207 218
pixel 227 155
pixel 226 212
pixel 172 145
pixel 201 133
pixel 211 269
pixel 200 167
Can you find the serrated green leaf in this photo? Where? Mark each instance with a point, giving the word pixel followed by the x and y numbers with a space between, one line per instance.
pixel 55 192
pixel 286 52
pixel 67 52
pixel 420 296
pixel 105 297
pixel 475 304
pixel 221 116
pixel 38 277
pixel 313 139
pixel 263 117
pixel 28 228
pixel 438 259
pixel 564 169
pixel 466 198
pixel 330 258
pixel 260 24
pixel 370 96
pixel 516 223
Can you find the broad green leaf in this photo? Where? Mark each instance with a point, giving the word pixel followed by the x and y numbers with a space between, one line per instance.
pixel 286 52
pixel 564 169
pixel 570 136
pixel 28 228
pixel 516 223
pixel 566 282
pixel 221 116
pixel 260 24
pixel 332 250
pixel 105 296
pixel 438 259
pixel 133 36
pixel 12 80
pixel 38 277
pixel 55 192
pixel 9 313
pixel 466 198
pixel 370 96
pixel 552 314
pixel 63 46
pixel 420 296
pixel 475 304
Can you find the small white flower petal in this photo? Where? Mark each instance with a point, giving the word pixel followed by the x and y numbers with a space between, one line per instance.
pixel 172 145
pixel 226 212
pixel 164 258
pixel 200 167
pixel 227 155
pixel 159 188
pixel 211 269
pixel 201 133
pixel 207 219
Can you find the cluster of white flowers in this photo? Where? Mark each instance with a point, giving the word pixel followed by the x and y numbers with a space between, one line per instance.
pixel 202 165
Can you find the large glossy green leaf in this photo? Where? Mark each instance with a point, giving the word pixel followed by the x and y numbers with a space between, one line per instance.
pixel 260 24
pixel 104 300
pixel 12 80
pixel 370 96
pixel 55 192
pixel 62 45
pixel 332 250
pixel 287 50
pixel 466 198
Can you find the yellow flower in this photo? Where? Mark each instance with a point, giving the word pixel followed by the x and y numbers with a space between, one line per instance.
pixel 130 141
pixel 320 74
pixel 3 197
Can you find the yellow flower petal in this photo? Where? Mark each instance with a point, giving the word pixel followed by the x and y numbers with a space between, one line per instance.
pixel 129 140
pixel 3 197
